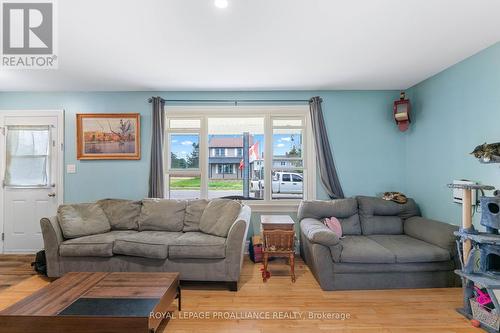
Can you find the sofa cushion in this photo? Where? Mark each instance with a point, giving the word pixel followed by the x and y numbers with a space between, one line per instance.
pixel 122 214
pixel 197 245
pixel 316 232
pixel 382 225
pixel 219 216
pixel 78 220
pixel 162 215
pixel 382 217
pixel 345 210
pixel 100 245
pixel 361 249
pixel 146 244
pixel 381 207
pixel 350 225
pixel 194 210
pixel 408 249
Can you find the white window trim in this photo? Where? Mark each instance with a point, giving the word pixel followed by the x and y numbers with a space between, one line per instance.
pixel 268 113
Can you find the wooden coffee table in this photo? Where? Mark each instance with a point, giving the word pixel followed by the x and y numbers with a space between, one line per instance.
pixel 96 302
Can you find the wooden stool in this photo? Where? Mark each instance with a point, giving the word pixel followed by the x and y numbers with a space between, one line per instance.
pixel 279 243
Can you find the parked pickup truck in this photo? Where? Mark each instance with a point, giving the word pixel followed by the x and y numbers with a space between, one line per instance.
pixel 283 182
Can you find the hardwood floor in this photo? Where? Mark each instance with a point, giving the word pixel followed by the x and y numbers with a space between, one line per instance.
pixel 14 269
pixel 387 311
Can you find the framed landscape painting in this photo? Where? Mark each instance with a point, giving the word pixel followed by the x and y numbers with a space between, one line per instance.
pixel 108 136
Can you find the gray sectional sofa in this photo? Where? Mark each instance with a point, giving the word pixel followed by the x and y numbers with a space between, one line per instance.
pixel 202 240
pixel 385 245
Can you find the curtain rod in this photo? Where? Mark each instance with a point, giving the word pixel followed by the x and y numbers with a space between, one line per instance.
pixel 234 101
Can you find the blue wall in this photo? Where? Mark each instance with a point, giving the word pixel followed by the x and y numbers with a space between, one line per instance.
pixel 455 111
pixel 368 148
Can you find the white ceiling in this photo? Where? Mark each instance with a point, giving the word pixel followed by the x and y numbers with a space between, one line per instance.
pixel 259 44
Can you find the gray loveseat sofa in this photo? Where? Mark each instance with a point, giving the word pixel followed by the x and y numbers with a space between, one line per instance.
pixel 385 245
pixel 192 237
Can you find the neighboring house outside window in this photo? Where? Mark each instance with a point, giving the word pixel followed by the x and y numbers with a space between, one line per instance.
pixel 224 163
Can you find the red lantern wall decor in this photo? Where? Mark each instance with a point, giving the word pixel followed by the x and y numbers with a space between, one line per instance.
pixel 401 112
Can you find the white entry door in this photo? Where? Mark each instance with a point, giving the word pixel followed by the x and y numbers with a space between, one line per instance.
pixel 31 158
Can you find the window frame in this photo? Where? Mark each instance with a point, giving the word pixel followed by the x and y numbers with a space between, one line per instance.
pixel 269 113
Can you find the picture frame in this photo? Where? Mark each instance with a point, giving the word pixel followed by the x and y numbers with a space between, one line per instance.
pixel 108 136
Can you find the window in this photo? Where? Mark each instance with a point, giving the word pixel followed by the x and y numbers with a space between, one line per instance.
pixel 226 172
pixel 222 153
pixel 28 156
pixel 183 158
pixel 184 187
pixel 184 151
pixel 184 123
pixel 288 158
pixel 225 168
pixel 219 152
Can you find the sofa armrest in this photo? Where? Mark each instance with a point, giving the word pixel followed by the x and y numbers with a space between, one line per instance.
pixel 235 244
pixel 319 259
pixel 52 238
pixel 431 231
pixel 316 232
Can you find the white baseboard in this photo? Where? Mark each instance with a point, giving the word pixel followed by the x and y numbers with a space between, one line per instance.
pixel 21 252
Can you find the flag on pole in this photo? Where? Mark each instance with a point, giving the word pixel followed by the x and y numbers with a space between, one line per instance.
pixel 253 154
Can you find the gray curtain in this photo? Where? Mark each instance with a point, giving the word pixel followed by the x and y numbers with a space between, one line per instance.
pixel 324 156
pixel 156 184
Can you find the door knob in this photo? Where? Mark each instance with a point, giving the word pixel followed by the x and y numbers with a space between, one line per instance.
pixel 51 195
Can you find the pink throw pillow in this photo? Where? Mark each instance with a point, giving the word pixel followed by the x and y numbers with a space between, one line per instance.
pixel 334 225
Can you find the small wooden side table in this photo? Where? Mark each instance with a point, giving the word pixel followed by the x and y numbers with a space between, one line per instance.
pixel 278 234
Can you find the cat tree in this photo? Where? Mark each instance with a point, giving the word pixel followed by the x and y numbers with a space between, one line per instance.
pixel 467 212
pixel 486 246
